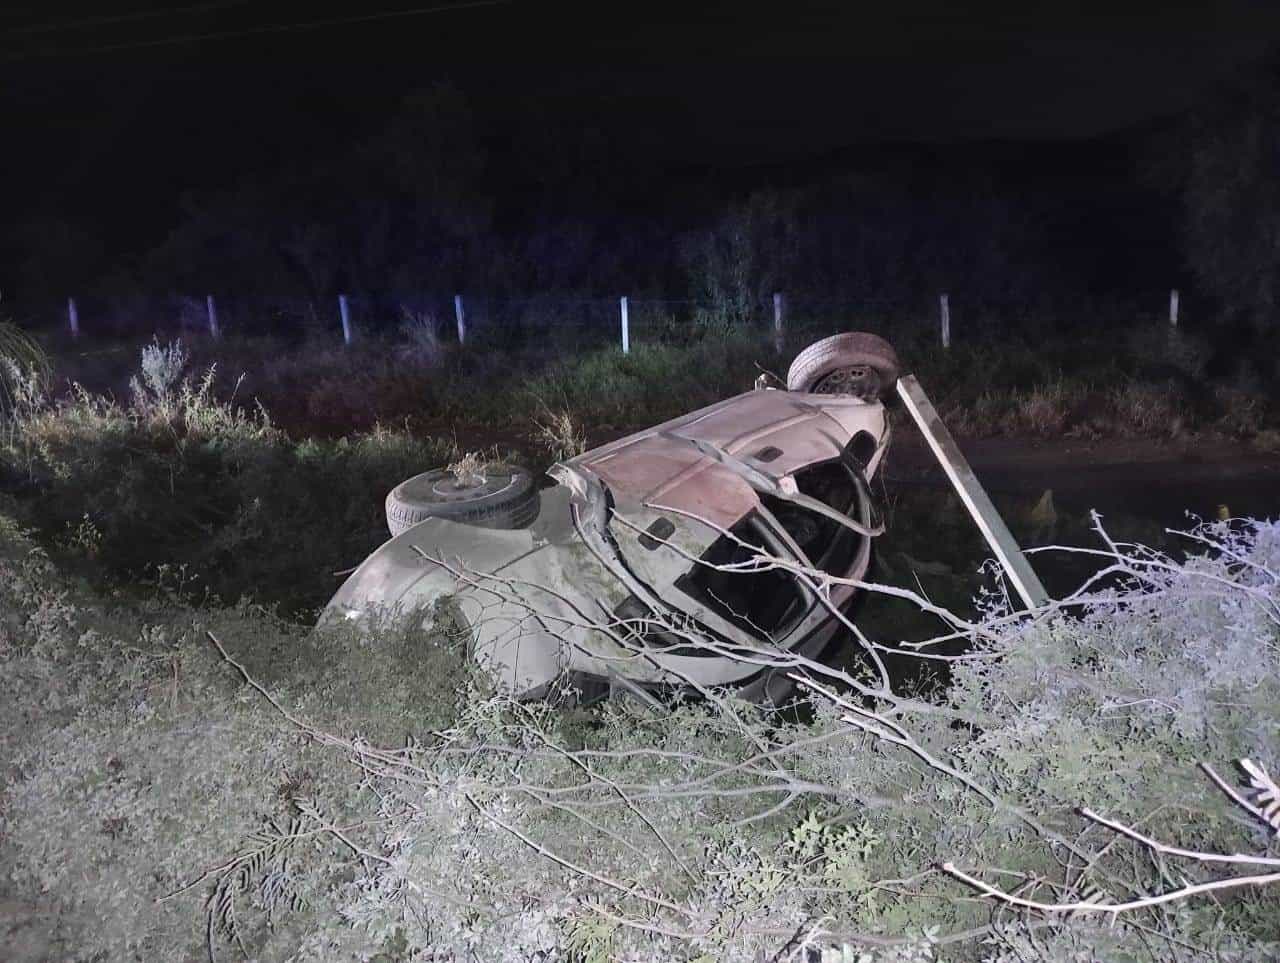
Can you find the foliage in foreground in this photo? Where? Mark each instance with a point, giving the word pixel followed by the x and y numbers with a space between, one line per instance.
pixel 366 798
pixel 136 762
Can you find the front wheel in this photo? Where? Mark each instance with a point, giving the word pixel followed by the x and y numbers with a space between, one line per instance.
pixel 857 364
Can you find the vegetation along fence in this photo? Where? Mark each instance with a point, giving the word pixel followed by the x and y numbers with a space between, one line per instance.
pixel 595 321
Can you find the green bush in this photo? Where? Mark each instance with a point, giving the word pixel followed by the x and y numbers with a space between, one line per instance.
pixel 652 383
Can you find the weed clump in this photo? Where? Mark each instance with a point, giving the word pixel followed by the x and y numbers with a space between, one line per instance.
pixel 24 369
pixel 561 435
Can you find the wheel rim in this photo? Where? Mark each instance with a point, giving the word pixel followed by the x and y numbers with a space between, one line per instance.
pixel 860 381
pixel 445 487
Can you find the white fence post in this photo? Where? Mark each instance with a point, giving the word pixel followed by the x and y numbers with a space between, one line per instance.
pixel 779 306
pixel 214 331
pixel 1173 307
pixel 626 327
pixel 460 313
pixel 73 318
pixel 944 305
pixel 345 311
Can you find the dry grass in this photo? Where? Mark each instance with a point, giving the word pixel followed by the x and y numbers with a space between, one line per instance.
pixel 1132 409
pixel 469 469
pixel 24 365
pixel 1145 410
pixel 1042 412
pixel 560 434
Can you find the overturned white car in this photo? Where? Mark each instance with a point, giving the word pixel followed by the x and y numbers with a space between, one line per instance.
pixel 641 566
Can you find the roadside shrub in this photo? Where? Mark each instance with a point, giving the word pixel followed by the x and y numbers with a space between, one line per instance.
pixel 183 479
pixel 163 367
pixel 296 816
pixel 1240 413
pixel 421 334
pixel 1161 350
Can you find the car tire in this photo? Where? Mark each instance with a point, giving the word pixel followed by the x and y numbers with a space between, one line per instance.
pixel 504 498
pixel 858 363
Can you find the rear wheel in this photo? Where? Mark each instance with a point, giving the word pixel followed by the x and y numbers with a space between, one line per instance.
pixel 857 364
pixel 498 496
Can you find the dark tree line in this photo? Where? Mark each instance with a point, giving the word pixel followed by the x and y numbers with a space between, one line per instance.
pixel 1223 167
pixel 441 198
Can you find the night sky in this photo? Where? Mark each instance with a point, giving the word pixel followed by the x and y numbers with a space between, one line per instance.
pixel 111 110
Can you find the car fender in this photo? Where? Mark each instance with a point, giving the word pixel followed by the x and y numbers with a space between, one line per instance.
pixel 436 559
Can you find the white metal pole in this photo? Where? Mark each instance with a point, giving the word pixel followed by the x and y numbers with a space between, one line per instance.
pixel 944 304
pixel 626 327
pixel 1173 307
pixel 460 313
pixel 345 311
pixel 73 318
pixel 1025 581
pixel 778 305
pixel 214 331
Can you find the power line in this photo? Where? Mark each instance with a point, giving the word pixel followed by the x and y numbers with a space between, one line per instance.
pixel 277 28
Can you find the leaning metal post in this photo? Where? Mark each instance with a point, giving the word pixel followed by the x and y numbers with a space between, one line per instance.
pixel 971 492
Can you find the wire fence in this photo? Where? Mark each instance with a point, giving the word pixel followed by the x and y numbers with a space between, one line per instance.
pixel 585 322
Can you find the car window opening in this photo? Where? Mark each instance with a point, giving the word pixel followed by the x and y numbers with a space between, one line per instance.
pixel 765 604
pixel 831 547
